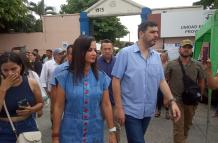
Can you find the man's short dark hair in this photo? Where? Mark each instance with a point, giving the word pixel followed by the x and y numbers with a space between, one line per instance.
pixel 36 50
pixel 106 41
pixel 144 26
pixel 49 50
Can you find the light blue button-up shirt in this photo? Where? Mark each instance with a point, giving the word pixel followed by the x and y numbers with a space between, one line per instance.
pixel 140 80
pixel 60 68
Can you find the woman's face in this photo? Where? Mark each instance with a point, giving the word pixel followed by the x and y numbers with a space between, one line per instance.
pixel 32 58
pixel 91 53
pixel 10 68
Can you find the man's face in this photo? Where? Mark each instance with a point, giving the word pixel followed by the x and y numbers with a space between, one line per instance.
pixel 49 54
pixel 185 51
pixel 59 57
pixel 150 36
pixel 107 50
pixel 32 57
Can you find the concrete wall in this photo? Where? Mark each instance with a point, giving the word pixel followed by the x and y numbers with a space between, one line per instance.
pixel 57 30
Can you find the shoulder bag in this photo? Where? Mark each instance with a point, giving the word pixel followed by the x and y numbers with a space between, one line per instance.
pixel 191 94
pixel 25 137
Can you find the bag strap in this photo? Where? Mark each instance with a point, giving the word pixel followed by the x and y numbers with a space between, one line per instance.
pixel 9 118
pixel 182 67
pixel 183 72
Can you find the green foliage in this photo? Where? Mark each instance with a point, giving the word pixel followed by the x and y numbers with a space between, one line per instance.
pixel 102 28
pixel 108 28
pixel 76 6
pixel 40 9
pixel 211 4
pixel 11 11
pixel 26 24
pixel 15 16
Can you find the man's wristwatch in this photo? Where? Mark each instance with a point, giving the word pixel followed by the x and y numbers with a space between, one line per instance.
pixel 111 130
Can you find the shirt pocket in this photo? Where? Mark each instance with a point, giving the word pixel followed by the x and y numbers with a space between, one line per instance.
pixel 154 70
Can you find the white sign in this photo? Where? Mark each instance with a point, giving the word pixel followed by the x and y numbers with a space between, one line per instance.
pixel 114 8
pixel 182 24
pixel 64 44
pixel 173 51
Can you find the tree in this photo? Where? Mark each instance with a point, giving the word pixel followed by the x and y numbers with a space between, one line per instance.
pixel 40 9
pixel 211 4
pixel 16 16
pixel 11 11
pixel 108 28
pixel 75 6
pixel 102 28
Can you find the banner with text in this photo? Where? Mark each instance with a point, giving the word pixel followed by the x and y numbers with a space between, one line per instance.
pixel 183 24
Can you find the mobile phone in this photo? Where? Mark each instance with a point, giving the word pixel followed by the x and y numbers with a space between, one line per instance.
pixel 22 103
pixel 205 54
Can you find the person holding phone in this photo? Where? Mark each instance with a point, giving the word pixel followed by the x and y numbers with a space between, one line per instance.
pixel 21 95
pixel 211 80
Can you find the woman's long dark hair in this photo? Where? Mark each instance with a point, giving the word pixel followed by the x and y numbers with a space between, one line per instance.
pixel 80 47
pixel 12 57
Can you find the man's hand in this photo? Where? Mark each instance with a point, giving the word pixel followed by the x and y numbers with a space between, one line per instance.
pixel 55 139
pixel 175 112
pixel 119 115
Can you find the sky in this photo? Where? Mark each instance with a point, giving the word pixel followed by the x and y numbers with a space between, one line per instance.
pixel 135 20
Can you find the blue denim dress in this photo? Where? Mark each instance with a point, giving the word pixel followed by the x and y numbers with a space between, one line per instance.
pixel 82 121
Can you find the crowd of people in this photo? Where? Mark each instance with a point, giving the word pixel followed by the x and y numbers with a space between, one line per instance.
pixel 86 90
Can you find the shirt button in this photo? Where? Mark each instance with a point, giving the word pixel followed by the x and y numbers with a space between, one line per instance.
pixel 85 83
pixel 85 110
pixel 85 116
pixel 85 123
pixel 86 92
pixel 85 130
pixel 86 102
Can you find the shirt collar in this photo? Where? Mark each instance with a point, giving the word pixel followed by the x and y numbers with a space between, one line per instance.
pixel 102 59
pixel 136 49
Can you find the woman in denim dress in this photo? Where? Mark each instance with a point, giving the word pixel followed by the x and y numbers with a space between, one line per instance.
pixel 82 99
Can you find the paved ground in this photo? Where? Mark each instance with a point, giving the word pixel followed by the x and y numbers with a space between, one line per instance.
pixel 160 129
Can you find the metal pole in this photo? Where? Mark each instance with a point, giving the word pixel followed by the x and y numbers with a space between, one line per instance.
pixel 208 115
pixel 43 7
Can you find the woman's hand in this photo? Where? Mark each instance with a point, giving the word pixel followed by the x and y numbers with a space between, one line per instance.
pixel 112 137
pixel 24 111
pixel 9 81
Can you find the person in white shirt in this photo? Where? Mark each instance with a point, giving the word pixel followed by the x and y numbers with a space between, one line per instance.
pixel 48 68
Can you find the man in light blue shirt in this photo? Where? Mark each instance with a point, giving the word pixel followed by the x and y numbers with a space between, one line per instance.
pixel 62 67
pixel 137 75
